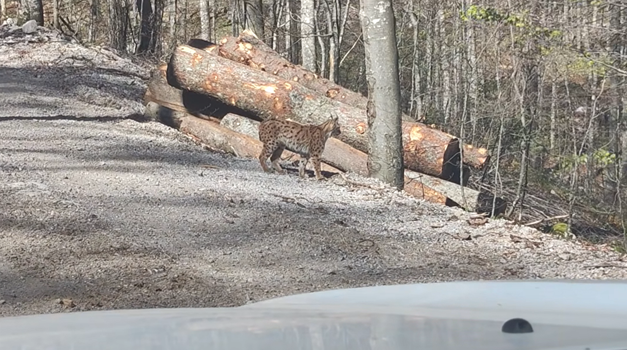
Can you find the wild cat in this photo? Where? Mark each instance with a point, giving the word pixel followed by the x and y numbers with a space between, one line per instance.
pixel 305 139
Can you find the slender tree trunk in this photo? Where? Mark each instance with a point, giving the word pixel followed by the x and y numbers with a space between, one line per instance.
pixel 156 26
pixel 278 7
pixel 32 10
pixel 212 21
pixel 3 10
pixel 118 24
pixel 323 49
pixel 444 70
pixel 308 39
pixel 55 14
pixel 289 50
pixel 184 20
pixel 94 11
pixel 253 10
pixel 237 16
pixel 385 148
pixel 472 77
pixel 145 34
pixel 294 40
pixel 415 107
pixel 204 20
pixel 333 59
pixel 173 4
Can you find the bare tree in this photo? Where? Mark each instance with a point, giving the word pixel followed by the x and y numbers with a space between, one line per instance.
pixel 336 22
pixel 172 25
pixel 385 149
pixel 254 17
pixel 248 14
pixel 145 34
pixel 55 14
pixel 204 19
pixel 3 9
pixel 212 21
pixel 94 12
pixel 32 9
pixel 118 24
pixel 207 19
pixel 308 40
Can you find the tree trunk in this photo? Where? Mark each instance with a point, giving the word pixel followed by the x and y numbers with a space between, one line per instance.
pixel 184 18
pixel 255 17
pixel 172 7
pixel 212 20
pixel 237 18
pixel 334 60
pixel 266 95
pixel 150 27
pixel 415 98
pixel 55 14
pixel 94 9
pixel 118 24
pixel 385 146
pixel 32 10
pixel 292 41
pixel 322 72
pixel 203 12
pixel 3 10
pixel 308 40
pixel 145 34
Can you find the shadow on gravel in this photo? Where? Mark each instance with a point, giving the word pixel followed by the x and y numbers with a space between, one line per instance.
pixel 261 248
pixel 135 116
pixel 25 294
pixel 63 82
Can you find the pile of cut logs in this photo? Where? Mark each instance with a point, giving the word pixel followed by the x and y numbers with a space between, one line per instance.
pixel 218 94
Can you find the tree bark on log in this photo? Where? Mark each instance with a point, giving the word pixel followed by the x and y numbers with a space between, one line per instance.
pixel 196 104
pixel 217 137
pixel 266 95
pixel 249 50
pixel 347 158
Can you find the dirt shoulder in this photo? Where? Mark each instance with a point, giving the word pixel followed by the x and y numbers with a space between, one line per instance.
pixel 111 212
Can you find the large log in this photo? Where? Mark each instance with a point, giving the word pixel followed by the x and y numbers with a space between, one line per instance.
pixel 196 104
pixel 346 158
pixel 217 137
pixel 249 50
pixel 267 95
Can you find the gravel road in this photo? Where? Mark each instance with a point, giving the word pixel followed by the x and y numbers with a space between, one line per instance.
pixel 103 210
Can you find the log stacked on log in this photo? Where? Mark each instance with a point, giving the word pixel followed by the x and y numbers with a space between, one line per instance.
pixel 204 81
pixel 417 137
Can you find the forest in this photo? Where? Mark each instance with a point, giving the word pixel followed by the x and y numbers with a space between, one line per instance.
pixel 540 84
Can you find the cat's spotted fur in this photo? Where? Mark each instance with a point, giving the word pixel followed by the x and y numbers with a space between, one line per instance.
pixel 306 140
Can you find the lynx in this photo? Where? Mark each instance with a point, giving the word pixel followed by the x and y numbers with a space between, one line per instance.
pixel 306 140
